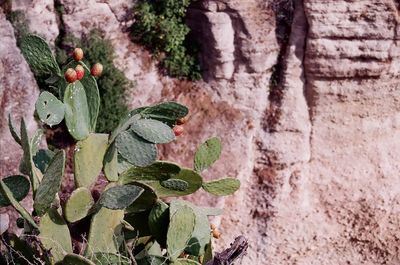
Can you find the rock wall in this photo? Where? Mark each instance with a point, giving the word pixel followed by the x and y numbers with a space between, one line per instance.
pixel 309 122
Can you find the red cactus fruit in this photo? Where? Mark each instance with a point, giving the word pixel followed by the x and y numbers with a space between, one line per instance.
pixel 178 130
pixel 77 54
pixel 182 121
pixel 80 72
pixel 70 75
pixel 97 69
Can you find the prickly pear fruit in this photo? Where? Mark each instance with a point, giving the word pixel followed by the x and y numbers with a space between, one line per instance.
pixel 97 69
pixel 182 121
pixel 80 72
pixel 178 130
pixel 77 54
pixel 70 75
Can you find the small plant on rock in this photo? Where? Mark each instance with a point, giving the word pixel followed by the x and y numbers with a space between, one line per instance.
pixel 129 222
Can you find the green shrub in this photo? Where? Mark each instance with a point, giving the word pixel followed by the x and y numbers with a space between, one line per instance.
pixel 160 26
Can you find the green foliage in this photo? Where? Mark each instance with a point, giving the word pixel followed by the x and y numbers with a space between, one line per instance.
pixel 19 187
pixel 207 153
pixel 54 235
pixel 78 205
pixel 112 84
pixel 38 55
pixel 181 226
pixel 222 187
pixel 128 220
pixel 49 109
pixel 120 197
pixel 50 184
pixel 153 131
pixel 88 159
pixel 135 149
pixel 8 195
pixel 76 111
pixel 160 26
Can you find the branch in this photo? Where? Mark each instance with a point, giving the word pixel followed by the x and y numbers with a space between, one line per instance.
pixel 236 251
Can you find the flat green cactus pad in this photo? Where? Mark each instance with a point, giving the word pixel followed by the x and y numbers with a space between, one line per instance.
pixel 78 205
pixel 185 262
pixel 101 258
pixel 54 235
pixel 120 197
pixel 207 153
pixel 158 222
pixel 159 170
pixel 110 163
pixel 19 187
pixel 180 230
pixel 77 111
pixel 153 131
pixel 38 55
pixel 74 259
pixel 193 180
pixel 88 158
pixel 49 108
pixel 50 184
pixel 135 149
pixel 167 112
pixel 105 228
pixel 222 187
pixel 8 195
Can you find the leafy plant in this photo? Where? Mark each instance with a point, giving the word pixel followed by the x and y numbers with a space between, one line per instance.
pixel 129 222
pixel 160 26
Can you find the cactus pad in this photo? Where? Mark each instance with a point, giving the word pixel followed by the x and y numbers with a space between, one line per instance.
pixel 159 170
pixel 54 234
pixel 19 187
pixel 175 184
pixel 50 184
pixel 105 228
pixel 92 96
pixel 38 55
pixel 76 111
pixel 13 131
pixel 110 163
pixel 120 197
pixel 180 230
pixel 153 131
pixel 88 159
pixel 207 153
pixel 135 149
pixel 42 159
pixel 74 259
pixel 193 180
pixel 146 200
pixel 78 205
pixel 185 262
pixel 7 193
pixel 49 109
pixel 101 258
pixel 158 221
pixel 222 187
pixel 167 112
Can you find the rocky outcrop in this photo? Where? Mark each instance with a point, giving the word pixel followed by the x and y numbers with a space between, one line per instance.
pixel 18 90
pixel 309 117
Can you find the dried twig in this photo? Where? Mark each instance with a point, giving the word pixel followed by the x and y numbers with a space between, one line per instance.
pixel 236 251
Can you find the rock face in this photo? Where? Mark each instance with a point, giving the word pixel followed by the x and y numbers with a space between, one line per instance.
pixel 309 117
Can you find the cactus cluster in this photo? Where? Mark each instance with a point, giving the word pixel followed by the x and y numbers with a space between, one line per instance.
pixel 129 221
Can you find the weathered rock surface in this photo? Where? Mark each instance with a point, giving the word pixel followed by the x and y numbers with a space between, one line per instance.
pixel 18 90
pixel 317 153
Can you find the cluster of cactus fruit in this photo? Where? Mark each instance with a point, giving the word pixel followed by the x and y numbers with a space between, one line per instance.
pixel 130 223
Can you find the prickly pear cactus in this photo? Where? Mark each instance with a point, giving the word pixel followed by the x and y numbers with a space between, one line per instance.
pixel 127 222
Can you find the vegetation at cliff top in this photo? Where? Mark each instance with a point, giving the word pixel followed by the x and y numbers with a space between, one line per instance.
pixel 160 26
